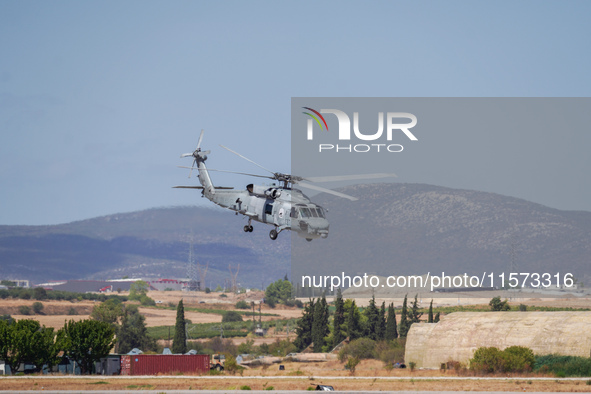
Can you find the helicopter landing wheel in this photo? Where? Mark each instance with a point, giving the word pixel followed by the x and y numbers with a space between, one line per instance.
pixel 250 228
pixel 273 234
pixel 246 228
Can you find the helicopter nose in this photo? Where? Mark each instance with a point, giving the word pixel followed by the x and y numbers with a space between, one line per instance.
pixel 323 229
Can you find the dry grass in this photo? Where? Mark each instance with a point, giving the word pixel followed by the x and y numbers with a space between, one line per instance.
pixel 287 383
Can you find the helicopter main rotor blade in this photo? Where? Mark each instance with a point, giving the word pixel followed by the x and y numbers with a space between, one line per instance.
pixel 247 159
pixel 200 138
pixel 231 172
pixel 348 177
pixel 325 190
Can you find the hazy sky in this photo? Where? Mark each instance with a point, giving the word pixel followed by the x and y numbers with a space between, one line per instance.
pixel 99 99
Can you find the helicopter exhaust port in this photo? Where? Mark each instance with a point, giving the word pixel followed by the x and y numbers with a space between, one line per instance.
pixel 273 193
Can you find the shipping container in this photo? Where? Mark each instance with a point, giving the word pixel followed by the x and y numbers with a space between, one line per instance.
pixel 153 364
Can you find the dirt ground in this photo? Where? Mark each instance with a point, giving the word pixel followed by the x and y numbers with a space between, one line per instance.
pixel 55 313
pixel 369 376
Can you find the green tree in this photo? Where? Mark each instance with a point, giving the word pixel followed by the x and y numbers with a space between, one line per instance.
pixel 39 293
pixel 278 291
pixel 320 324
pixel 109 311
pixel 137 290
pixel 430 316
pixel 304 327
pixel 87 341
pixel 372 315
pixel 133 332
pixel 241 305
pixel 391 330
pixel 404 322
pixel 26 341
pixel 437 317
pixel 381 328
pixel 497 305
pixel 338 320
pixel 353 319
pixel 414 316
pixel 179 342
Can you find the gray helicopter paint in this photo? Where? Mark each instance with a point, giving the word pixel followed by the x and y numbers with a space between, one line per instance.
pixel 269 205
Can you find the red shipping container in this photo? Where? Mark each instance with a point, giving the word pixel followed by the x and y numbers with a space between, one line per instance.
pixel 153 364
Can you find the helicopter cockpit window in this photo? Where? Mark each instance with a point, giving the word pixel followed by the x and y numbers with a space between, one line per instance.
pixel 320 213
pixel 305 212
pixel 294 213
pixel 313 212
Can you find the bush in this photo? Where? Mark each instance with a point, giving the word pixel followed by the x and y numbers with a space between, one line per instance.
pixel 24 295
pixel 352 364
pixel 37 306
pixel 361 348
pixel 72 311
pixel 390 352
pixel 147 301
pixel 497 305
pixel 231 316
pixel 207 290
pixel 512 359
pixel 24 310
pixel 487 360
pixel 232 366
pixel 39 293
pixel 242 305
pixel 518 359
pixel 563 366
pixel 271 302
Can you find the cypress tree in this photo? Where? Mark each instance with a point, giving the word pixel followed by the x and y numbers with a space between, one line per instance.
pixel 391 330
pixel 320 324
pixel 381 329
pixel 339 320
pixel 436 320
pixel 373 315
pixel 404 323
pixel 430 319
pixel 415 315
pixel 304 327
pixel 179 342
pixel 353 325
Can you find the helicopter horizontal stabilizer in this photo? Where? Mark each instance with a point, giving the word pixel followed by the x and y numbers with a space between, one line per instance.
pixel 201 187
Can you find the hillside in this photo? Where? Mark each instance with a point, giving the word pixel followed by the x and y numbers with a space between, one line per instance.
pixel 152 243
pixel 402 229
pixel 393 229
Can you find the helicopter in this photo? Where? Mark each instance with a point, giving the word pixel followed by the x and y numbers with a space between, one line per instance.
pixel 281 206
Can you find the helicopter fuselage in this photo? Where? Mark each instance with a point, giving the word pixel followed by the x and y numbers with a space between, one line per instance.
pixel 285 208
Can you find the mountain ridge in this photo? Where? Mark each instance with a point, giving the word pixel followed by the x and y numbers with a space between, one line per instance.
pixel 401 228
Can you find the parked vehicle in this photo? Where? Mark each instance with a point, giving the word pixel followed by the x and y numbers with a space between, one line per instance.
pixel 217 362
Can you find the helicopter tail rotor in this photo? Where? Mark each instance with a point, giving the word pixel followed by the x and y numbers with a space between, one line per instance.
pixel 197 153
